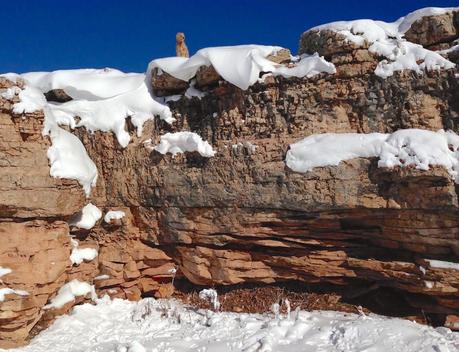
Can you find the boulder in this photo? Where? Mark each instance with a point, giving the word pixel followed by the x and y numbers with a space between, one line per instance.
pixel 164 84
pixel 432 30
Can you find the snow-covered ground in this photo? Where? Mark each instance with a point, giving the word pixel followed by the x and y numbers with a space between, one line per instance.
pixel 165 325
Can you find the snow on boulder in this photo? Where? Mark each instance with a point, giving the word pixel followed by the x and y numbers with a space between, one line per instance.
pixel 90 214
pixel 79 255
pixel 114 215
pixel 384 40
pixel 181 142
pixel 240 65
pixel 410 147
pixel 405 23
pixel 69 292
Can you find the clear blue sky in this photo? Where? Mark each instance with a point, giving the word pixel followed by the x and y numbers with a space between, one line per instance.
pixel 44 35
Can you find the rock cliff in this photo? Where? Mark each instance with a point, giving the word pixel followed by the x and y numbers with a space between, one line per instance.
pixel 242 216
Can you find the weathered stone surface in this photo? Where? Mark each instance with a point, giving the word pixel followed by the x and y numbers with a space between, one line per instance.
pixel 57 95
pixel 281 56
pixel 432 30
pixel 164 84
pixel 207 76
pixel 26 189
pixel 243 216
pixel 326 43
pixel 38 253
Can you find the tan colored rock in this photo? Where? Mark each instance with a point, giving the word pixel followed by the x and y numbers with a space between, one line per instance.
pixel 164 84
pixel 281 56
pixel 431 30
pixel 27 189
pixel 38 253
pixel 207 76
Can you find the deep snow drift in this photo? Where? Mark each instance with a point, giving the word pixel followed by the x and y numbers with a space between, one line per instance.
pixel 166 326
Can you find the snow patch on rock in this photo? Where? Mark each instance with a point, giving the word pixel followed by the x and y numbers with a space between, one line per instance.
pixel 9 291
pixel 181 142
pixel 410 147
pixel 386 39
pixel 90 214
pixel 79 255
pixel 68 159
pixel 69 292
pixel 440 264
pixel 114 215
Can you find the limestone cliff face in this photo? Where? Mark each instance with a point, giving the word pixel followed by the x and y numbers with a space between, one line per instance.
pixel 242 215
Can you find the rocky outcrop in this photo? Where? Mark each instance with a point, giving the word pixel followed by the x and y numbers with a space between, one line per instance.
pixel 430 31
pixel 241 216
pixel 163 84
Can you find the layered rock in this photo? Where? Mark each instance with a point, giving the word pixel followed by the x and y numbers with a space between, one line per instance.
pixel 241 216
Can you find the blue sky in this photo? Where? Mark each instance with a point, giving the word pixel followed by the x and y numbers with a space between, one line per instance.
pixel 60 34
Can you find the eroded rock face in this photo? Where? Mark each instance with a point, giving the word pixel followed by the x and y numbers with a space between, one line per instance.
pixel 434 30
pixel 241 216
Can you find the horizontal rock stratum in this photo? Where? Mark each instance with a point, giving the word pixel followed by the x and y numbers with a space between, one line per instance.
pixel 240 216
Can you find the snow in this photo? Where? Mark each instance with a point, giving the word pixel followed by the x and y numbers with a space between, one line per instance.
pixel 68 159
pixel 209 294
pixel 409 147
pixel 9 291
pixel 114 214
pixel 439 264
pixel 165 325
pixel 240 65
pixel 386 39
pixel 31 100
pixel 4 271
pixel 405 22
pixel 79 255
pixel 69 291
pixel 404 55
pixel 332 148
pixel 102 100
pixel 90 214
pixel 181 142
pixel 102 277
